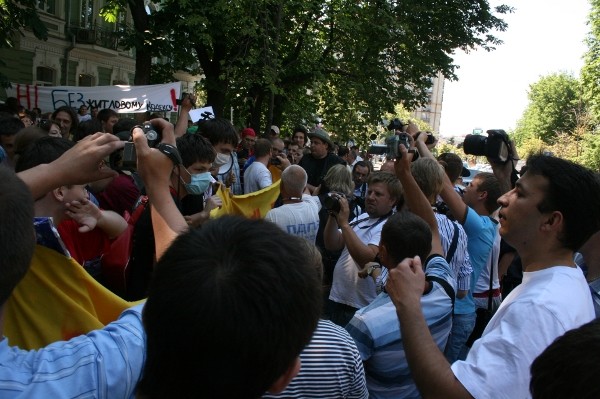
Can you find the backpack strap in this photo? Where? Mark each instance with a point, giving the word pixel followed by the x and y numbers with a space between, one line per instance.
pixel 447 287
pixel 453 245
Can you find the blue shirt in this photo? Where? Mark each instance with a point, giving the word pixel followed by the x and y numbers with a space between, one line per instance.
pixel 481 232
pixel 376 331
pixel 105 363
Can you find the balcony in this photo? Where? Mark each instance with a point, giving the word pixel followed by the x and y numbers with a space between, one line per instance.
pixel 97 39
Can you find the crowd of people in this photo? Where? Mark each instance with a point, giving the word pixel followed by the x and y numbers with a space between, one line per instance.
pixel 357 283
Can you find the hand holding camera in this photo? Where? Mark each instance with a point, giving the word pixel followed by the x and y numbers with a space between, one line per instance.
pixel 337 206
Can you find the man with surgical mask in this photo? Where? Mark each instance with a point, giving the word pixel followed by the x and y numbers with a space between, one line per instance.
pixel 224 138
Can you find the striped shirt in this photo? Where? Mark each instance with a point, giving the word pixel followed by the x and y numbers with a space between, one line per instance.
pixel 105 363
pixel 376 331
pixel 331 367
pixel 460 262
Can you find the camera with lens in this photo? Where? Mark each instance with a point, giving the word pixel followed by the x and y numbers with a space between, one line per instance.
pixel 396 124
pixel 126 159
pixel 392 143
pixel 496 146
pixel 275 161
pixel 331 201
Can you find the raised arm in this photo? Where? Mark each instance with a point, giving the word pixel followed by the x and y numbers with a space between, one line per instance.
pixel 81 164
pixel 416 200
pixel 187 103
pixel 448 194
pixel 155 169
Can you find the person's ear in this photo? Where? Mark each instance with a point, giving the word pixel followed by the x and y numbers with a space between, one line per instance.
pixel 59 193
pixel 283 381
pixel 554 221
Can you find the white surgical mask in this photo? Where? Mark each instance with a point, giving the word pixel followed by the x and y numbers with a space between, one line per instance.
pixel 221 160
pixel 198 184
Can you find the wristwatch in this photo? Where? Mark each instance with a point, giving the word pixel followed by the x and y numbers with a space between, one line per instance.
pixel 372 267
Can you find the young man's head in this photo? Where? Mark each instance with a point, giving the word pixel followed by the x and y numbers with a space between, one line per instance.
pixel 429 175
pixel 404 235
pixel 108 117
pixel 193 175
pixel 383 193
pixel 569 367
pixel 230 308
pixel 67 119
pixel 43 151
pixel 294 152
pixel 553 195
pixel 9 127
pixel 263 149
pixel 453 165
pixel 293 181
pixel 222 135
pixel 483 193
pixel 17 237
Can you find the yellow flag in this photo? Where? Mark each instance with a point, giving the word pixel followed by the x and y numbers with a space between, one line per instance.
pixel 254 205
pixel 57 300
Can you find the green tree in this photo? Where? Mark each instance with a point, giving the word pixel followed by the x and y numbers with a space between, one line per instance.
pixel 590 73
pixel 555 106
pixel 283 62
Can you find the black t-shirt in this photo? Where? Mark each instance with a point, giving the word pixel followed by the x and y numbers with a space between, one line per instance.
pixel 316 169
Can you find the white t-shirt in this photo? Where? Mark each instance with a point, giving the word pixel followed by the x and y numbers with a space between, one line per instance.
pixel 543 307
pixel 256 177
pixel 347 287
pixel 299 219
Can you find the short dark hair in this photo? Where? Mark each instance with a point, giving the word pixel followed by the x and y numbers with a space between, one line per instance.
pixel 195 148
pixel 124 125
pixel 406 235
pixel 363 164
pixel 262 147
pixel 105 114
pixel 569 367
pixel 46 149
pixel 453 165
pixel 235 283
pixel 343 151
pixel 10 125
pixel 87 128
pixel 218 130
pixel 489 183
pixel 17 240
pixel 574 191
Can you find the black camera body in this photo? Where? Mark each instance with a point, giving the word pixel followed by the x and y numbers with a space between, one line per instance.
pixel 396 124
pixel 331 201
pixel 392 143
pixel 275 161
pixel 496 146
pixel 126 159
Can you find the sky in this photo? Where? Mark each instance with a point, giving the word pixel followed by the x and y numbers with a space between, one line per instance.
pixel 543 37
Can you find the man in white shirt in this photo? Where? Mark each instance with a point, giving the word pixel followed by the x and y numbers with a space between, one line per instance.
pixel 299 214
pixel 550 213
pixel 257 176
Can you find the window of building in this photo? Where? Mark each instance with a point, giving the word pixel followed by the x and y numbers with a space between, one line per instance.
pixel 87 14
pixel 44 76
pixel 48 6
pixel 86 80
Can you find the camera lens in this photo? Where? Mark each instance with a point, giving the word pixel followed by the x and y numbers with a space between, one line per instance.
pixel 475 144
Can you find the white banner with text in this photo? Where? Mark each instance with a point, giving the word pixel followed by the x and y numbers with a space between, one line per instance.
pixel 122 99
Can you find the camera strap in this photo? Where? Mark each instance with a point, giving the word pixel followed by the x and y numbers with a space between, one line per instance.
pixel 379 221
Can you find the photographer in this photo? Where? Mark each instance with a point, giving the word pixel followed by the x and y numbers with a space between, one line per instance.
pixel 360 243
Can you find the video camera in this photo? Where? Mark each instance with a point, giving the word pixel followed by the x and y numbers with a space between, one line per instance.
pixel 396 124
